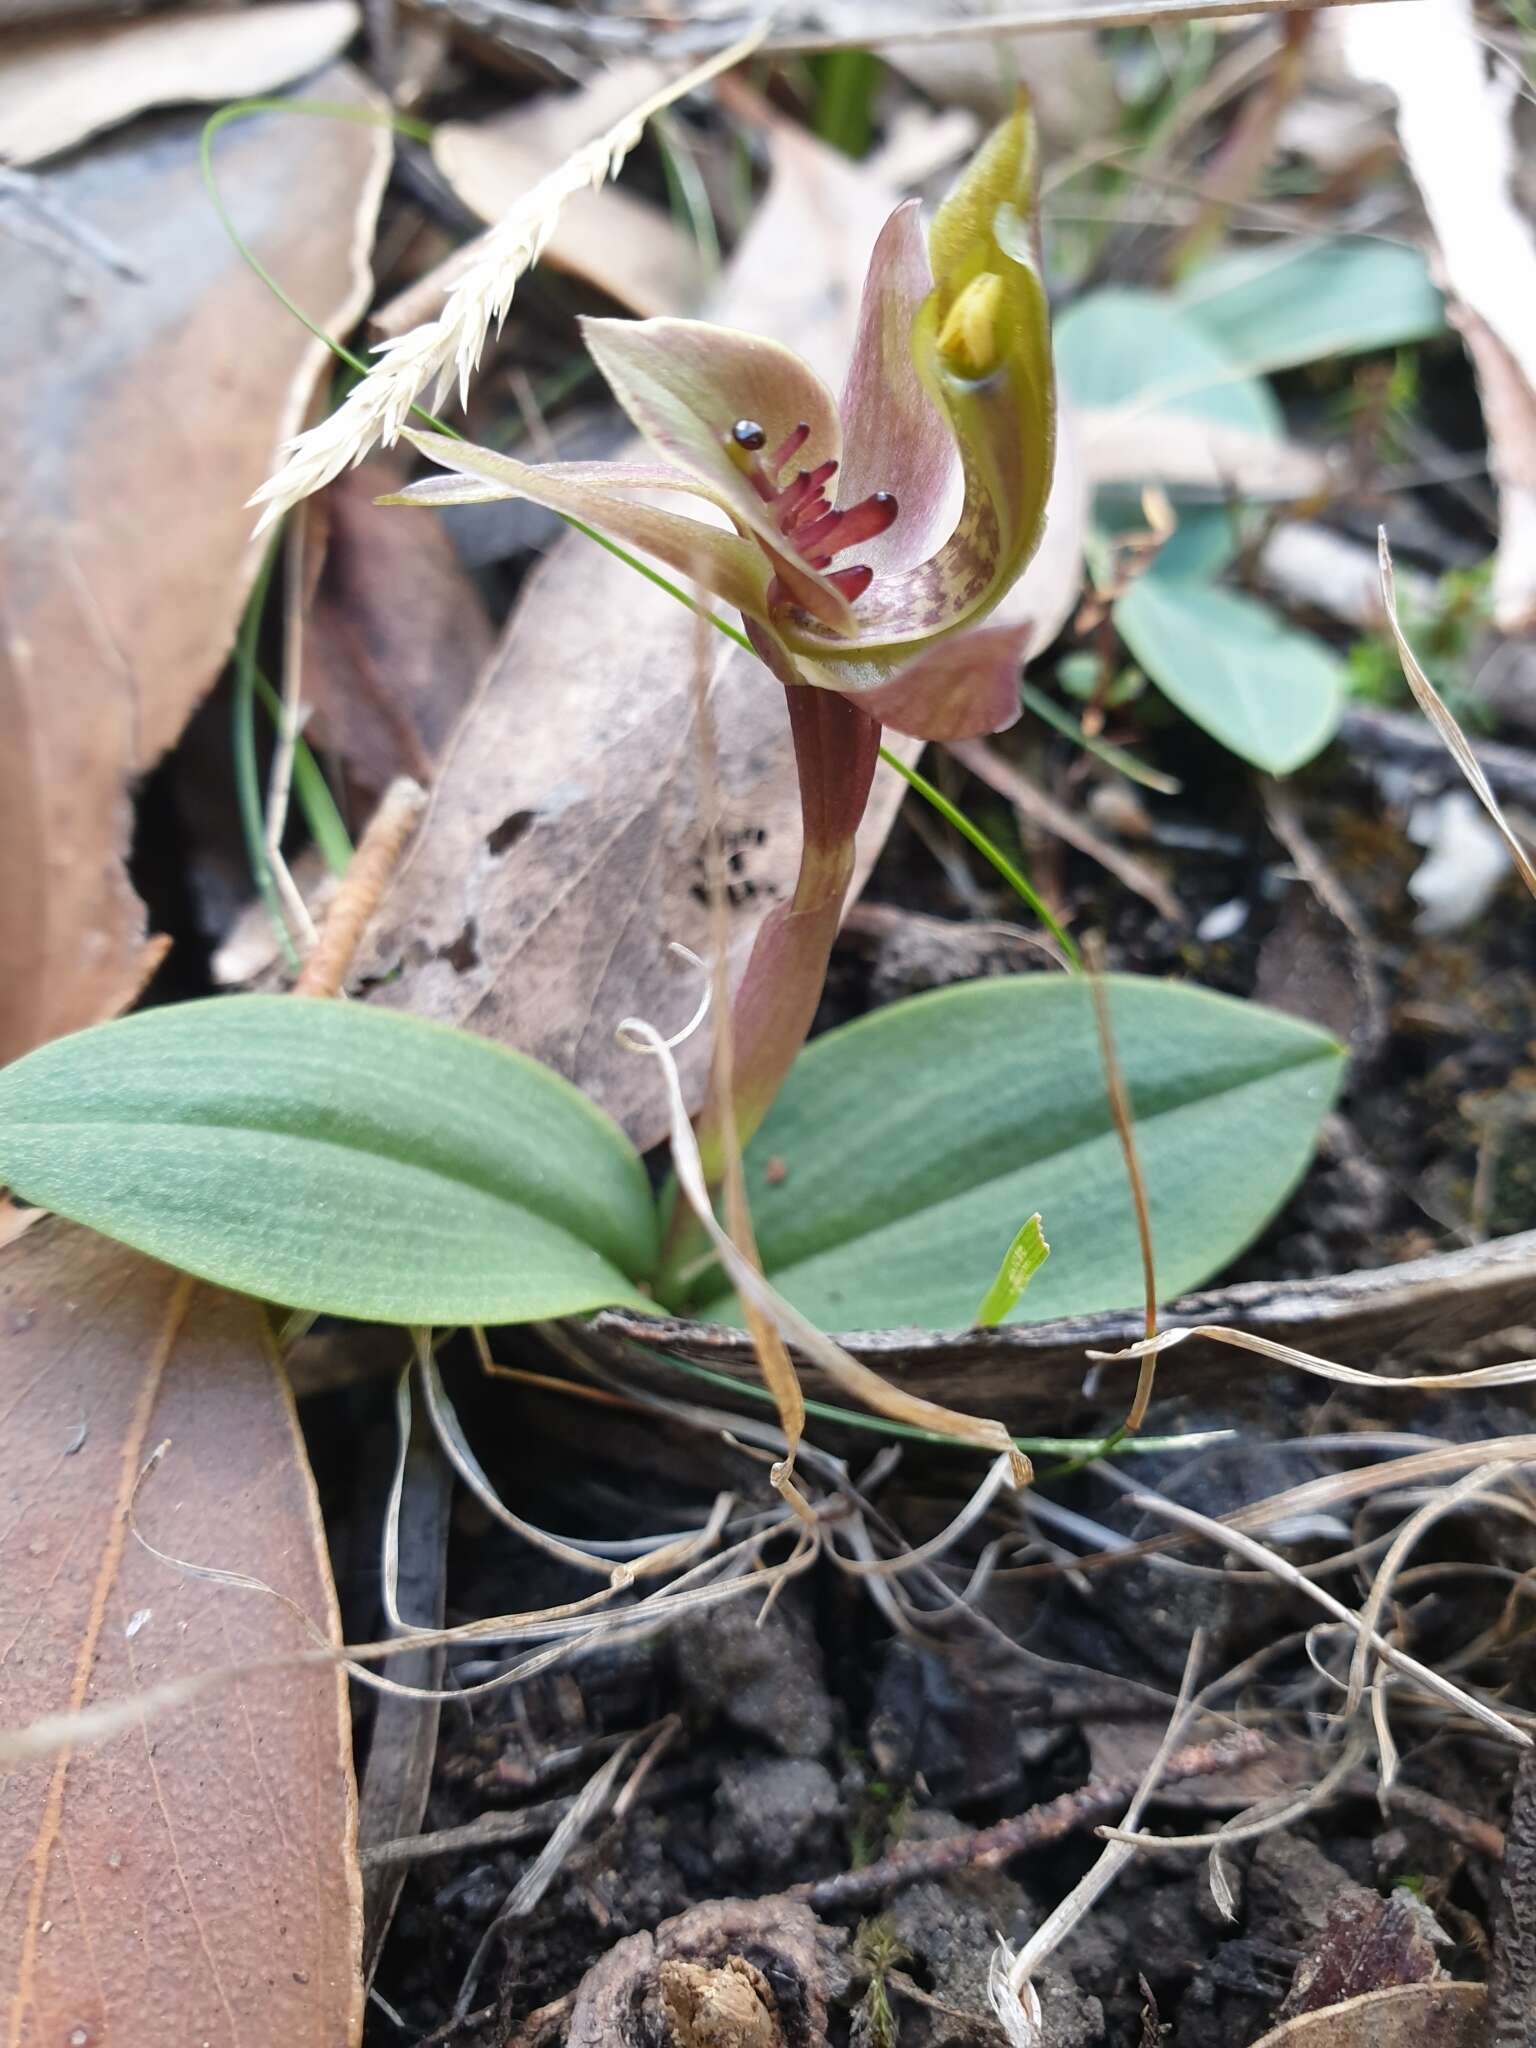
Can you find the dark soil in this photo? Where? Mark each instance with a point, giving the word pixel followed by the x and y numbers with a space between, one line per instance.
pixel 809 1741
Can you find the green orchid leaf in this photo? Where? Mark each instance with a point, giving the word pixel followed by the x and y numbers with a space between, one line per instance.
pixel 334 1157
pixel 1270 692
pixel 1021 1262
pixel 1293 302
pixel 885 1180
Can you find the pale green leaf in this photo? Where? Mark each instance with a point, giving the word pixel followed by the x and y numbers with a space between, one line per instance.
pixel 1271 693
pixel 1120 347
pixel 883 1179
pixel 1137 352
pixel 1021 1262
pixel 335 1157
pixel 1292 302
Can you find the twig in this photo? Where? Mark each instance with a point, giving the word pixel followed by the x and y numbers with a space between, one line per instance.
pixel 536 25
pixel 591 1800
pixel 986 1848
pixel 1480 1835
pixel 1010 1985
pixel 498 1830
pixel 367 877
pixel 1373 736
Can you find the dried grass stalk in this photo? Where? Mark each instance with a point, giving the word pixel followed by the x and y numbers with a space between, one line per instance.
pixel 445 351
pixel 1433 706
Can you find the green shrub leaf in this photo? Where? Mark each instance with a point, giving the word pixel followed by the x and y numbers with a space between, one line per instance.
pixel 1121 347
pixel 887 1181
pixel 334 1157
pixel 1294 302
pixel 1270 692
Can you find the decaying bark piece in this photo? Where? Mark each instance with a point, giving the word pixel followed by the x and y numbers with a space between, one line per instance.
pixel 1035 1376
pixel 731 2007
pixel 735 1973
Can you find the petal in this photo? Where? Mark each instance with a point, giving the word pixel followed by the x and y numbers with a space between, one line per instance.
pixel 445 490
pixel 958 689
pixel 1048 591
pixel 1001 410
pixel 895 437
pixel 733 568
pixel 686 384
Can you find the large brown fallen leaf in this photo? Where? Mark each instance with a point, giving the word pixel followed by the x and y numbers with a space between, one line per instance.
pixel 193 1878
pixel 59 85
pixel 564 849
pixel 143 415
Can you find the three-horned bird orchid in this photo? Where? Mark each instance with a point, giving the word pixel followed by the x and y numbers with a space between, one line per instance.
pixel 863 542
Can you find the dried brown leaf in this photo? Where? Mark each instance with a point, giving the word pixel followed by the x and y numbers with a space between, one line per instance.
pixel 145 412
pixel 563 853
pixel 193 1878
pixel 395 641
pixel 1441 2015
pixel 1130 445
pixel 59 85
pixel 1457 118
pixel 1368 1943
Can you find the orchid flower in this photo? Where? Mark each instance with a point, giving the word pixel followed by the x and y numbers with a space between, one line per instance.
pixel 861 583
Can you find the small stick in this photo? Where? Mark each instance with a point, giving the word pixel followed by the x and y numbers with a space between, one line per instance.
pixel 365 881
pixel 1037 1829
pixel 1479 1835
